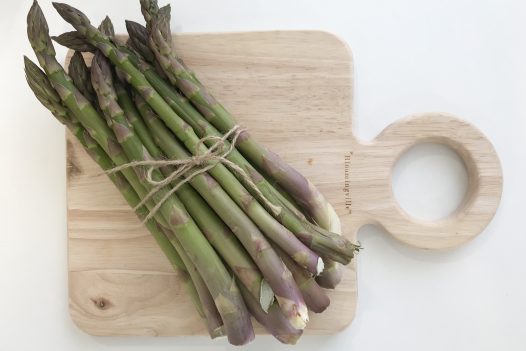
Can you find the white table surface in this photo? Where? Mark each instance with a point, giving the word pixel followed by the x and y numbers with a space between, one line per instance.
pixel 466 57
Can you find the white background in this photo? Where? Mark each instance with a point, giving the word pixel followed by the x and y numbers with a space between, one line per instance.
pixel 466 57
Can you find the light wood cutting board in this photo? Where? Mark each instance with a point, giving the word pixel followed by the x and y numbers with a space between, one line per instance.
pixel 293 90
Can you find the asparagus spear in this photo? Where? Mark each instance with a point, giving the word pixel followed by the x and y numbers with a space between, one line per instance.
pixel 273 269
pixel 75 41
pixel 303 191
pixel 210 224
pixel 223 288
pixel 232 308
pixel 45 93
pixel 283 237
pixel 80 75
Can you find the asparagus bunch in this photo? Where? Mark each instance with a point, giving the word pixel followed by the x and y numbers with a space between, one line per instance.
pixel 250 235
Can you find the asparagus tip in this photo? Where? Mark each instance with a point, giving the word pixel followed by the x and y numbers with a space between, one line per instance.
pixel 38 30
pixel 70 14
pixel 74 40
pixel 106 27
pixel 133 26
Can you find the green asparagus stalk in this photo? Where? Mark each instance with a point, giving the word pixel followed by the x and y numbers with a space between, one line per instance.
pixel 302 190
pixel 45 93
pixel 283 237
pixel 237 323
pixel 226 294
pixel 219 235
pixel 273 269
pixel 214 322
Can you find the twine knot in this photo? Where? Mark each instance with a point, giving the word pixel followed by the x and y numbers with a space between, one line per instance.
pixel 184 170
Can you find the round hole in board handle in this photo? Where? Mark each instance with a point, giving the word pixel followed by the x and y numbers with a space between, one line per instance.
pixel 430 181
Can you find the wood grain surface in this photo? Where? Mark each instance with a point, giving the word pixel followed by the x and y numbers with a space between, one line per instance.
pixel 293 90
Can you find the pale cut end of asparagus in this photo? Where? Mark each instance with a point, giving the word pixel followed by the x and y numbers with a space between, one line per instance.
pixel 334 272
pixel 301 313
pixel 335 225
pixel 266 298
pixel 320 266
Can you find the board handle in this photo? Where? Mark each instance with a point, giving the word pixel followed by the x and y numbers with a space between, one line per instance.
pixel 484 180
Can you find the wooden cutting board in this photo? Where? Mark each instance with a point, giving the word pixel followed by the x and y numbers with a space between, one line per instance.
pixel 293 90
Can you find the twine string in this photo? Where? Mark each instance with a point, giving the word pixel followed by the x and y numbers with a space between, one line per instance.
pixel 184 170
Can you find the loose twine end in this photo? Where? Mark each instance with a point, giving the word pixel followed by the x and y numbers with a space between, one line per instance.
pixel 186 169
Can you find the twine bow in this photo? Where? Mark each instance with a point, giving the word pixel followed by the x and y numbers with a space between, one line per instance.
pixel 185 170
